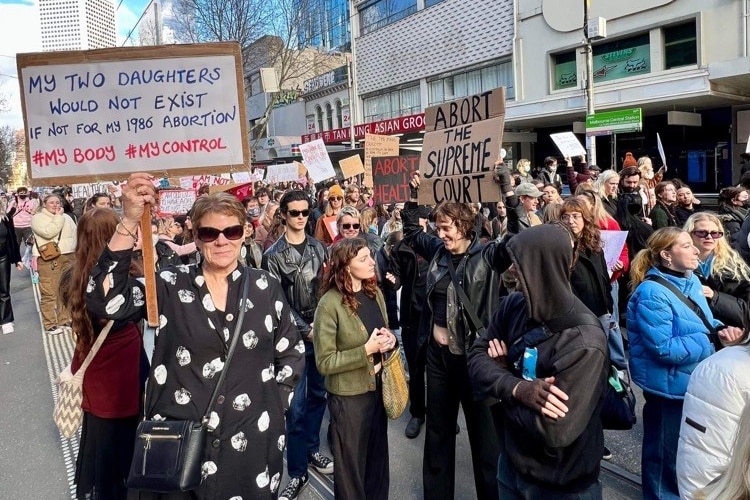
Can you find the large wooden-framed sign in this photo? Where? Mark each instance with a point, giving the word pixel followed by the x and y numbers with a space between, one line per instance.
pixel 461 144
pixel 103 114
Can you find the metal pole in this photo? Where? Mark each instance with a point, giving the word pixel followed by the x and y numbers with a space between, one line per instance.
pixel 351 99
pixel 157 21
pixel 351 68
pixel 590 109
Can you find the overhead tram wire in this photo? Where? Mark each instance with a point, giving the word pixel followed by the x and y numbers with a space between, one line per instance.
pixel 137 22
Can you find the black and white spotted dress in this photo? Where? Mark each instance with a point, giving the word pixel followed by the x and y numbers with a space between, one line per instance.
pixel 243 456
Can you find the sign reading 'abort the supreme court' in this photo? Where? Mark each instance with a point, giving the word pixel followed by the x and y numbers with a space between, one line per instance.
pixel 462 142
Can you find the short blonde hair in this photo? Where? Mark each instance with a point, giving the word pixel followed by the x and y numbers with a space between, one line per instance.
pixel 217 203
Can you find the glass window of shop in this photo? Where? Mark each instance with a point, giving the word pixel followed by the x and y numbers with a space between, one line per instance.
pixel 680 46
pixel 612 61
pixel 329 116
pixel 428 3
pixel 472 82
pixel 392 104
pixel 339 119
pixel 379 13
pixel 319 117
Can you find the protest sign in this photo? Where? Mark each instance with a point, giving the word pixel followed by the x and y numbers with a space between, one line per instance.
pixel 568 144
pixel 86 191
pixel 378 145
pixel 287 172
pixel 176 201
pixel 241 177
pixel 660 147
pixel 393 174
pixel 331 226
pixel 613 241
pixel 103 114
pixel 462 142
pixel 351 166
pixel 317 161
pixel 196 181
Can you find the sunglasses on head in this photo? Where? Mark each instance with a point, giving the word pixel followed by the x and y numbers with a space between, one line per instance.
pixel 702 233
pixel 297 213
pixel 209 234
pixel 335 198
pixel 350 226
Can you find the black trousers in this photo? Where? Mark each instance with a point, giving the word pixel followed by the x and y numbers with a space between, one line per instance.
pixel 6 310
pixel 416 358
pixel 359 430
pixel 448 386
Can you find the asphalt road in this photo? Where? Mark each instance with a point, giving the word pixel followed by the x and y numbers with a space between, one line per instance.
pixel 36 463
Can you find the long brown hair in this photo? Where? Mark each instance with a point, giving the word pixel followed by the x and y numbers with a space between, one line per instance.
pixel 337 276
pixel 590 237
pixel 95 229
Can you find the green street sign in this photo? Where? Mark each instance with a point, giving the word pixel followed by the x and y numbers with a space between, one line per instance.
pixel 613 122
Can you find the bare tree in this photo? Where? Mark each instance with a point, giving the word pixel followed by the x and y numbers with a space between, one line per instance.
pixel 8 148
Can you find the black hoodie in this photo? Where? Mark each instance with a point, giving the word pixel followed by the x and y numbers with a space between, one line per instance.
pixel 563 453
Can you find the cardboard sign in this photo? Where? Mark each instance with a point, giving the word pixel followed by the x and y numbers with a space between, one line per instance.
pixel 331 226
pixel 393 174
pixel 317 161
pixel 568 144
pixel 176 201
pixel 351 167
pixel 378 145
pixel 196 181
pixel 287 172
pixel 472 109
pixel 103 114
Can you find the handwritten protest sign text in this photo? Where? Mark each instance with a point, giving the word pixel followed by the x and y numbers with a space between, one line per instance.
pixel 393 174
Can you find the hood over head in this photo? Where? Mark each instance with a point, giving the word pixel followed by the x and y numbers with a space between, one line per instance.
pixel 543 257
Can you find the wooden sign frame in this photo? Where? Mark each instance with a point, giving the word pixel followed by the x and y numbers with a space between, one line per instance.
pixel 132 54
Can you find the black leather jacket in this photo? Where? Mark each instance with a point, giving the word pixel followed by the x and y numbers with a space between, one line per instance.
pixel 300 277
pixel 478 273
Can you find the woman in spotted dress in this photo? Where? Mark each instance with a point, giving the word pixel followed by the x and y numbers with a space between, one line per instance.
pixel 198 307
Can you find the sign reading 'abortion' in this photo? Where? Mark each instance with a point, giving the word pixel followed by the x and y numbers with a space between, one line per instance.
pixel 103 114
pixel 462 142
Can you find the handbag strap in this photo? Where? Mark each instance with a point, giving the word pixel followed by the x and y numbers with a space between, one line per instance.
pixel 95 348
pixel 59 235
pixel 464 299
pixel 230 353
pixel 692 305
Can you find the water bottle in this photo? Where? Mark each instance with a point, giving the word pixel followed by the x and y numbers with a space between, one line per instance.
pixel 35 278
pixel 529 363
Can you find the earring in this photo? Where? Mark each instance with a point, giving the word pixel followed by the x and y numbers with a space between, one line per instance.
pixel 669 262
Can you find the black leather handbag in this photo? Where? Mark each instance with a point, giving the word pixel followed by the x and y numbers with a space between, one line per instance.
pixel 168 453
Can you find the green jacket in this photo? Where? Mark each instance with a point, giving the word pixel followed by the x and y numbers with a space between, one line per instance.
pixel 339 339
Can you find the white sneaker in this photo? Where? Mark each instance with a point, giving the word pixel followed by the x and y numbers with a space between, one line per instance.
pixel 7 328
pixel 55 330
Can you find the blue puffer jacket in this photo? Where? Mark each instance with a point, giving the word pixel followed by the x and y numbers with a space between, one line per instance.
pixel 667 340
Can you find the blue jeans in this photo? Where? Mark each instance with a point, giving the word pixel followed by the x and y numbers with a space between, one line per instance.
pixel 305 416
pixel 614 335
pixel 512 486
pixel 661 432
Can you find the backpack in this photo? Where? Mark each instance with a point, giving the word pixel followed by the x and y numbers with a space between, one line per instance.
pixel 618 410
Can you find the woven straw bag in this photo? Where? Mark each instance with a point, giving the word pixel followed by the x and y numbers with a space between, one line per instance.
pixel 395 388
pixel 68 413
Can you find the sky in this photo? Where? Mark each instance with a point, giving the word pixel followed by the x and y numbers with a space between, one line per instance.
pixel 19 32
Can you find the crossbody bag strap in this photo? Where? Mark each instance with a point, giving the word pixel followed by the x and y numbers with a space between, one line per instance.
pixel 230 353
pixel 478 326
pixel 95 348
pixel 692 305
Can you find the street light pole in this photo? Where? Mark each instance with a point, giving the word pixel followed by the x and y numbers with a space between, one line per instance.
pixel 590 109
pixel 350 67
pixel 350 78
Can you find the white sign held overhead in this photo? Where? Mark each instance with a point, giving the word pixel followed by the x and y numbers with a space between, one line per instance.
pixel 660 147
pixel 176 201
pixel 317 161
pixel 103 114
pixel 288 172
pixel 568 144
pixel 747 148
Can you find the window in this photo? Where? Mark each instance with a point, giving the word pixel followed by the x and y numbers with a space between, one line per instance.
pixel 319 118
pixel 428 3
pixel 339 119
pixel 393 104
pixel 566 74
pixel 329 116
pixel 384 12
pixel 472 82
pixel 622 58
pixel 680 46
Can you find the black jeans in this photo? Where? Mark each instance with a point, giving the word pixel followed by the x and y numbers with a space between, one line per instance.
pixel 6 310
pixel 513 486
pixel 359 431
pixel 448 386
pixel 416 359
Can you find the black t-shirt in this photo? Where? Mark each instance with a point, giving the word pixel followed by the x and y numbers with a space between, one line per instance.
pixel 440 296
pixel 369 313
pixel 300 246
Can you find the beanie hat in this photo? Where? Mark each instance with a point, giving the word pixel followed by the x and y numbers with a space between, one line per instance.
pixel 629 160
pixel 335 190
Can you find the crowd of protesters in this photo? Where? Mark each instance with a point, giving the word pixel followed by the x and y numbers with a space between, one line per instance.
pixel 471 292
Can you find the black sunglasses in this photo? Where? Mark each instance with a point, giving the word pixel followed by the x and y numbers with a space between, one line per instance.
pixel 350 226
pixel 209 234
pixel 702 233
pixel 297 213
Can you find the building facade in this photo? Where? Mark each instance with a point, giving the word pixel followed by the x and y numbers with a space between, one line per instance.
pixel 77 24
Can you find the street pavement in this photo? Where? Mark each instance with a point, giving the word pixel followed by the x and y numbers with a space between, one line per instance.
pixel 37 463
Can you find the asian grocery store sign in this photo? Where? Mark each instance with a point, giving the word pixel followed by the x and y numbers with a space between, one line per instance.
pixel 401 125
